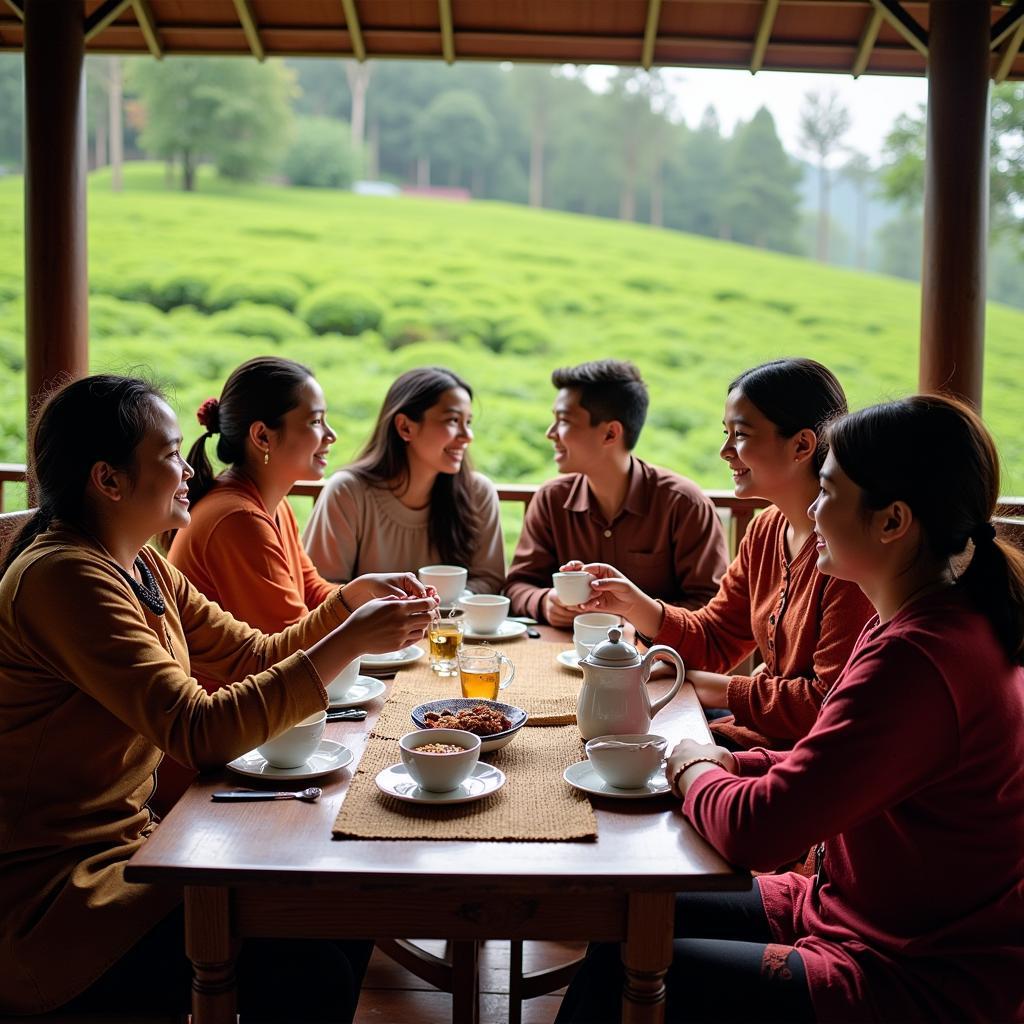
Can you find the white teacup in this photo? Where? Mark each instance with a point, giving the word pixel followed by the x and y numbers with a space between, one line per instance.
pixel 626 762
pixel 591 628
pixel 343 681
pixel 440 773
pixel 295 746
pixel 573 587
pixel 484 612
pixel 448 580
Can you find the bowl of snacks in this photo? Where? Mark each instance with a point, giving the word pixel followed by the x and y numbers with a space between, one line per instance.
pixel 495 723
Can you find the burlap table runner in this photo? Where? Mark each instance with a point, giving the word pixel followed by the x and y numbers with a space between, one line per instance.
pixel 543 688
pixel 534 804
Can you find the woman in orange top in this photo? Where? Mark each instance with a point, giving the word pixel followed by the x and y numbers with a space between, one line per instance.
pixel 772 598
pixel 242 548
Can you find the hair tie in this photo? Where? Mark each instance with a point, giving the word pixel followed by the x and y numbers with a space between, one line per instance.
pixel 983 534
pixel 208 415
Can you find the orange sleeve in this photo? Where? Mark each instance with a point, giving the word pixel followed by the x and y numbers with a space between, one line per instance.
pixel 315 589
pixel 246 559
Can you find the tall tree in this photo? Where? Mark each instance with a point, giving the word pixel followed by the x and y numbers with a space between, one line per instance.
pixel 358 75
pixel 232 112
pixel 859 172
pixel 761 205
pixel 536 84
pixel 823 123
pixel 458 133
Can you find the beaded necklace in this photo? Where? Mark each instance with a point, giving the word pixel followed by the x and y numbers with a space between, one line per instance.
pixel 148 591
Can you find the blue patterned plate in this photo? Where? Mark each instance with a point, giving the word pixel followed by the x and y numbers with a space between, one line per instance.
pixel 517 716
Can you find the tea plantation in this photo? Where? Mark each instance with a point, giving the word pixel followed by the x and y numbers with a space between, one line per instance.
pixel 186 286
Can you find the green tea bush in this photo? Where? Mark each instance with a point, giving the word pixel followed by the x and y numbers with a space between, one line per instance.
pixel 184 288
pixel 109 317
pixel 12 351
pixel 131 285
pixel 10 287
pixel 405 327
pixel 254 320
pixel 274 290
pixel 341 308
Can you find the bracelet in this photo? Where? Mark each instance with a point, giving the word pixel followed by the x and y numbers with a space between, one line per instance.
pixel 341 598
pixel 689 764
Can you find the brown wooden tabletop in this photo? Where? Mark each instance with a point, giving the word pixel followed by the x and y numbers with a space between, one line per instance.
pixel 273 869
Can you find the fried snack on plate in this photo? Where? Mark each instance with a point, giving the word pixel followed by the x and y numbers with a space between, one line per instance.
pixel 480 720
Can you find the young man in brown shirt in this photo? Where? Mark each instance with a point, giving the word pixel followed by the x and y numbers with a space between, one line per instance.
pixel 656 526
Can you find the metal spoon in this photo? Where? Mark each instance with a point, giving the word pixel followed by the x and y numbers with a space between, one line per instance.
pixel 310 795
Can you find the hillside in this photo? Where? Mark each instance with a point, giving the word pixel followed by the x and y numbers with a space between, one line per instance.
pixel 500 293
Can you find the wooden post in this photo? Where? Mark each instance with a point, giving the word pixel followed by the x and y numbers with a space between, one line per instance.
pixel 955 199
pixel 56 278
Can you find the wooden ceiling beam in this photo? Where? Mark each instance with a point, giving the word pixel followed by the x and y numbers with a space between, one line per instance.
pixel 650 34
pixel 895 15
pixel 1007 24
pixel 252 34
pixel 104 15
pixel 444 10
pixel 147 26
pixel 1009 54
pixel 867 43
pixel 355 33
pixel 764 33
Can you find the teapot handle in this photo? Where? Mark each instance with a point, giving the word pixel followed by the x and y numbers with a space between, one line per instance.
pixel 672 655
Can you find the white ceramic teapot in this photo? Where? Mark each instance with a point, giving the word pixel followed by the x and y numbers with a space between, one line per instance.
pixel 614 699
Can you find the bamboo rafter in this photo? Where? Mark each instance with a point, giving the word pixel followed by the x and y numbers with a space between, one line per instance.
pixel 252 35
pixel 355 33
pixel 147 25
pixel 907 26
pixel 104 15
pixel 867 43
pixel 764 33
pixel 444 10
pixel 650 33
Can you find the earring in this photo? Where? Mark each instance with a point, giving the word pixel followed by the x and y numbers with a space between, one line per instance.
pixel 266 457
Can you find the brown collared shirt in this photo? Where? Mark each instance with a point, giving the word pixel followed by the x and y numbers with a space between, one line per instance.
pixel 666 538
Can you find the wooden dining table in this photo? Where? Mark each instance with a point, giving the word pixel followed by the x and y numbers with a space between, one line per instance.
pixel 273 869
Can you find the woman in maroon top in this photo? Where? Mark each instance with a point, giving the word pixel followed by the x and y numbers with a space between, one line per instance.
pixel 772 598
pixel 911 780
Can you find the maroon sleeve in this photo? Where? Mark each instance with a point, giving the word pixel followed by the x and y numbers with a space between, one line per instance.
pixel 859 760
pixel 529 577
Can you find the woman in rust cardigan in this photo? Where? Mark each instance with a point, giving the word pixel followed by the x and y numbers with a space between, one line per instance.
pixel 99 638
pixel 772 598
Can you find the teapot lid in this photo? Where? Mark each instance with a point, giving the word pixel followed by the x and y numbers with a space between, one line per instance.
pixel 614 651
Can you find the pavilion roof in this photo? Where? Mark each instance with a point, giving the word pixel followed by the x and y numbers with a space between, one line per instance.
pixel 856 37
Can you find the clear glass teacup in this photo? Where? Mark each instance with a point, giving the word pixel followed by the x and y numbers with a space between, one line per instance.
pixel 483 671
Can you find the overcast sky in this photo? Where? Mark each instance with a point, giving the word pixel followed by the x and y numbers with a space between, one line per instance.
pixel 874 101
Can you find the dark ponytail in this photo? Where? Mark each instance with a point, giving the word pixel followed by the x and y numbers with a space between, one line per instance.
pixel 264 389
pixel 96 419
pixel 934 453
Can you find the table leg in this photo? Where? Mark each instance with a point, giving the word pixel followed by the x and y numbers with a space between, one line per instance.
pixel 646 955
pixel 465 982
pixel 212 951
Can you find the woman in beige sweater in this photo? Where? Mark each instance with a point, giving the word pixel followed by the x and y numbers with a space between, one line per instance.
pixel 411 498
pixel 98 640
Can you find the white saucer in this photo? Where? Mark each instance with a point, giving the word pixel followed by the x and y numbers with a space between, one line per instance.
pixel 397 782
pixel 506 631
pixel 362 691
pixel 570 659
pixel 394 659
pixel 329 757
pixel 583 777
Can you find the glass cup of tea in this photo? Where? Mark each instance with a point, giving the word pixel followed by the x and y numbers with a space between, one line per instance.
pixel 483 671
pixel 445 635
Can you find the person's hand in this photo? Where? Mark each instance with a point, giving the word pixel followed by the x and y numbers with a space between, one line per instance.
pixel 712 688
pixel 688 749
pixel 615 594
pixel 555 613
pixel 382 584
pixel 387 624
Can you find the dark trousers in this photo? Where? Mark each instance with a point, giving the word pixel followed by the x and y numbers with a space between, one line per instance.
pixel 726 970
pixel 280 981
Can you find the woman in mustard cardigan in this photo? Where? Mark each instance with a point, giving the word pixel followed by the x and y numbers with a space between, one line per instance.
pixel 99 637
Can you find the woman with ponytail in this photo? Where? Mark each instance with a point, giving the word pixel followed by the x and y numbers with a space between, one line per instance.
pixel 99 639
pixel 242 548
pixel 911 781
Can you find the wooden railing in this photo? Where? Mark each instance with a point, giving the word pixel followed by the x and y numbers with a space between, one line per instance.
pixel 738 512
